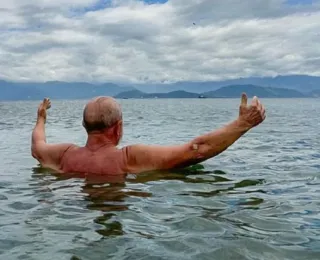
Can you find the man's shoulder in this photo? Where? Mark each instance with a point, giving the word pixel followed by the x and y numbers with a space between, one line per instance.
pixel 70 148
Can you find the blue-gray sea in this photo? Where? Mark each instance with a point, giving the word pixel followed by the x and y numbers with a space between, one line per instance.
pixel 258 200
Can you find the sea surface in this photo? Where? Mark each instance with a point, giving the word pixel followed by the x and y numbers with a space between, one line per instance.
pixel 258 200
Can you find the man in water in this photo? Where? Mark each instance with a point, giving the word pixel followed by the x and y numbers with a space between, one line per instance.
pixel 102 119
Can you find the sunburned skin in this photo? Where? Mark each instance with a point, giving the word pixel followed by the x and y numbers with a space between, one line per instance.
pixel 102 119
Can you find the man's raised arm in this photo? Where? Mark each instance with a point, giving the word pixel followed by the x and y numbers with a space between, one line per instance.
pixel 48 155
pixel 146 158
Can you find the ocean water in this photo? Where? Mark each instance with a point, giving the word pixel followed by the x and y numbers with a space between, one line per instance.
pixel 258 200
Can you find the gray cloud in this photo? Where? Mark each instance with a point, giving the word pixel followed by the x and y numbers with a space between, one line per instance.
pixel 207 11
pixel 131 41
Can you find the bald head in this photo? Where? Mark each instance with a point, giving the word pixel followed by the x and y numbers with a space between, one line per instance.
pixel 101 113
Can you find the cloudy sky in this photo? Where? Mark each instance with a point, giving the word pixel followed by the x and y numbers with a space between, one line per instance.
pixel 157 40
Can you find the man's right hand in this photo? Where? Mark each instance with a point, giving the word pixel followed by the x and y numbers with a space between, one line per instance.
pixel 253 114
pixel 43 107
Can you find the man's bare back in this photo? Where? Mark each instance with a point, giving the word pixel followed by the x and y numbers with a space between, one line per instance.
pixel 102 119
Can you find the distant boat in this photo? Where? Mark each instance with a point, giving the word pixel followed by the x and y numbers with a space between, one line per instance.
pixel 201 96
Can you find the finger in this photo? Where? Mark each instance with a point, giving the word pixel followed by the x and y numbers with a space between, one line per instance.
pixel 263 112
pixel 48 102
pixel 244 99
pixel 255 101
pixel 260 105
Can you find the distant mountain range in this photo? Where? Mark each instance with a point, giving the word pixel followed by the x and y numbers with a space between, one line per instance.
pixel 252 90
pixel 302 83
pixel 281 86
pixel 315 93
pixel 233 91
pixel 173 94
pixel 57 90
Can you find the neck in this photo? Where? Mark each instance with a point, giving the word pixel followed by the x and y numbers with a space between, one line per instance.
pixel 96 141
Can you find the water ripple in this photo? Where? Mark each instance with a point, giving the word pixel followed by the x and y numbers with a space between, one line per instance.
pixel 258 200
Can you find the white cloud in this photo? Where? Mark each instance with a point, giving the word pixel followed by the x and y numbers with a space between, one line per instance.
pixel 14 4
pixel 132 41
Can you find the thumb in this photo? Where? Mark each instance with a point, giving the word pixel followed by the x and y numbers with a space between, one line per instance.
pixel 255 101
pixel 244 99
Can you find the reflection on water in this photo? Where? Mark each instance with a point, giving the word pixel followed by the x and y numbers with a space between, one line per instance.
pixel 259 200
pixel 168 207
pixel 111 194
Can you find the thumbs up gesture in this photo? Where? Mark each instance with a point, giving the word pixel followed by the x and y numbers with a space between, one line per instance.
pixel 253 114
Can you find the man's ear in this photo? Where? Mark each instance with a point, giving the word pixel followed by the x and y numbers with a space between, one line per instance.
pixel 118 129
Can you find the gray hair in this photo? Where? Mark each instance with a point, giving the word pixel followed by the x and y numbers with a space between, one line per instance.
pixel 101 113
